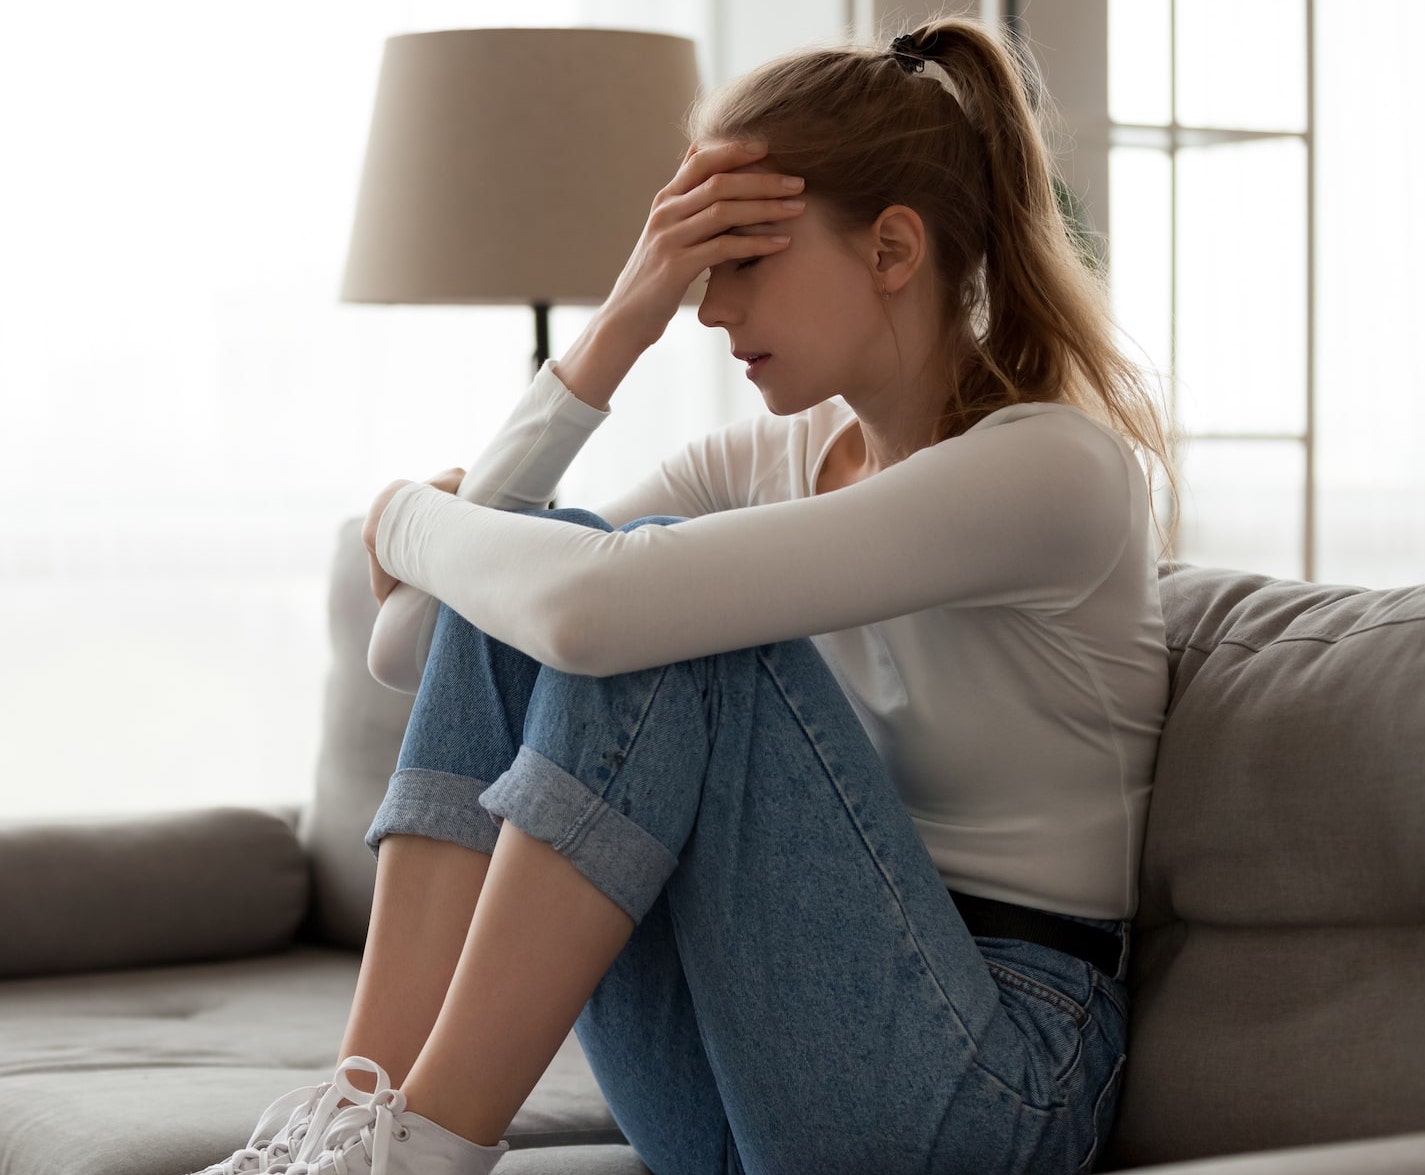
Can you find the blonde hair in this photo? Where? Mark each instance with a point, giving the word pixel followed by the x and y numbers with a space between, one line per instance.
pixel 1028 319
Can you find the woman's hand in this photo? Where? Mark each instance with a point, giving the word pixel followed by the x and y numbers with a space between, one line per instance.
pixel 382 582
pixel 710 212
pixel 687 231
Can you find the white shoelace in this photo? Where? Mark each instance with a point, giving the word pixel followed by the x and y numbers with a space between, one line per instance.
pixel 279 1132
pixel 247 1161
pixel 369 1123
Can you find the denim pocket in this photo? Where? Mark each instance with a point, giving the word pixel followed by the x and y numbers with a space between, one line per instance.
pixel 1047 1008
pixel 1009 977
pixel 1070 1019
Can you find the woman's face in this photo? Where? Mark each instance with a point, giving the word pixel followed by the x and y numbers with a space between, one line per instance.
pixel 808 321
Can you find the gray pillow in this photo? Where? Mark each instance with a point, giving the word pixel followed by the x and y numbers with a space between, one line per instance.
pixel 143 891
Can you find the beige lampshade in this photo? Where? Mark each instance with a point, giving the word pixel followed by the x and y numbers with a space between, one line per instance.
pixel 514 165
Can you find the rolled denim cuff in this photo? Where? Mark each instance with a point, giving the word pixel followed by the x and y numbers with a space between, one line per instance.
pixel 627 864
pixel 434 804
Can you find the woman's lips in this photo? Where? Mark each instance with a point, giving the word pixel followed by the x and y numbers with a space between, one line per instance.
pixel 754 360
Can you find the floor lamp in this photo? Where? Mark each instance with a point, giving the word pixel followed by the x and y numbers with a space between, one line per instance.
pixel 515 165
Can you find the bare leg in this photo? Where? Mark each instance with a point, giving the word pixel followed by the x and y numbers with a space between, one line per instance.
pixel 540 941
pixel 435 840
pixel 412 948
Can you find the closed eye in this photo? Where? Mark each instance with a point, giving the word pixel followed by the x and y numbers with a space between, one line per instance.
pixel 746 263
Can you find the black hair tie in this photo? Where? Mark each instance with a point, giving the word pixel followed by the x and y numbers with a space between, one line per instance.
pixel 907 56
pixel 911 56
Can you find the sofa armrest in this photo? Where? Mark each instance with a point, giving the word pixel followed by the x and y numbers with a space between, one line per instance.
pixel 150 890
pixel 1402 1154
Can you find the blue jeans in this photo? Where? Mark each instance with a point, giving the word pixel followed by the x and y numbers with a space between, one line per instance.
pixel 799 993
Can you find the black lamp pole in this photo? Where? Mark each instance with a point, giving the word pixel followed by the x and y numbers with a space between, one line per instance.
pixel 541 334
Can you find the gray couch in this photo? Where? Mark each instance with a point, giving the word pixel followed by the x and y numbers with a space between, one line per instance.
pixel 161 979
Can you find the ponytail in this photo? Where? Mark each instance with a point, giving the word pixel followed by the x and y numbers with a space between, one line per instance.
pixel 1027 319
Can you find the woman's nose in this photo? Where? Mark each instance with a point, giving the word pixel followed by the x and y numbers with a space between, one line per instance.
pixel 716 309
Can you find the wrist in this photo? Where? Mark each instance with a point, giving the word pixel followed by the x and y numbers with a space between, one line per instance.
pixel 597 361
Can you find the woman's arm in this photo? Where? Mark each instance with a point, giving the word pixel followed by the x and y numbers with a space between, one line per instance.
pixel 519 470
pixel 701 479
pixel 686 233
pixel 1033 512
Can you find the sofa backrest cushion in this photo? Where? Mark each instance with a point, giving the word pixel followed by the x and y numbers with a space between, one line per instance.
pixel 362 726
pixel 145 891
pixel 1280 937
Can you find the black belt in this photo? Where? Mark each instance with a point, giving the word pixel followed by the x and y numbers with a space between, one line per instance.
pixel 986 918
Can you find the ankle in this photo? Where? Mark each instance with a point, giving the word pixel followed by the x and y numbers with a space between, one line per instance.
pixel 458 1117
pixel 365 1082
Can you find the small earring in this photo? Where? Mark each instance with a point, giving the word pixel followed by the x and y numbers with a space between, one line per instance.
pixel 886 294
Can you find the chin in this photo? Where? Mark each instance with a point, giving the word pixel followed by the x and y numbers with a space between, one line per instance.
pixel 783 404
pixel 777 409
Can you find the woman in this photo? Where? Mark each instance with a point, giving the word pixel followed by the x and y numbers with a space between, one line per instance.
pixel 855 903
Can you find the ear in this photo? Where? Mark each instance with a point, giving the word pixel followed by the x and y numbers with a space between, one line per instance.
pixel 898 247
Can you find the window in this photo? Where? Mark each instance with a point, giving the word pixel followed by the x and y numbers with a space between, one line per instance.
pixel 189 413
pixel 1263 175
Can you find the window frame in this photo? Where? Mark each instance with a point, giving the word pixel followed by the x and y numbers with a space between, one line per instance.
pixel 1096 134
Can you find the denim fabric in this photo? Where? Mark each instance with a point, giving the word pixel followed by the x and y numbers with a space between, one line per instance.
pixel 799 993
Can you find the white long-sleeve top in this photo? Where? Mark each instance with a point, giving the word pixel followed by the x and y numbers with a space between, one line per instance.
pixel 989 605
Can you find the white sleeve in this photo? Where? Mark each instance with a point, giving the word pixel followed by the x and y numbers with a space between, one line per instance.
pixel 520 470
pixel 712 474
pixel 1034 512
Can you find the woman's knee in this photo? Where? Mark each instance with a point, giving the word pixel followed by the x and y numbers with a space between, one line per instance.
pixel 452 633
pixel 651 520
pixel 573 514
pixel 581 517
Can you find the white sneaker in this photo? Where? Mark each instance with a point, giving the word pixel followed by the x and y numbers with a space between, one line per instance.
pixel 278 1134
pixel 285 1124
pixel 379 1136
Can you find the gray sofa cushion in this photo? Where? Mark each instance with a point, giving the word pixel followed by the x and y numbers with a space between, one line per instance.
pixel 213 884
pixel 157 1072
pixel 1280 939
pixel 362 725
pixel 1402 1154
pixel 573 1160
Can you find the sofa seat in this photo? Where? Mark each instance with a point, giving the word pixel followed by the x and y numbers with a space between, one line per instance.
pixel 160 1069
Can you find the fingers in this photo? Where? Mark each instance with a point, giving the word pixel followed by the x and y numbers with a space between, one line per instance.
pixel 689 230
pixel 710 175
pixel 704 160
pixel 728 201
pixel 710 195
pixel 740 246
pixel 730 229
pixel 448 480
pixel 758 194
pixel 757 201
